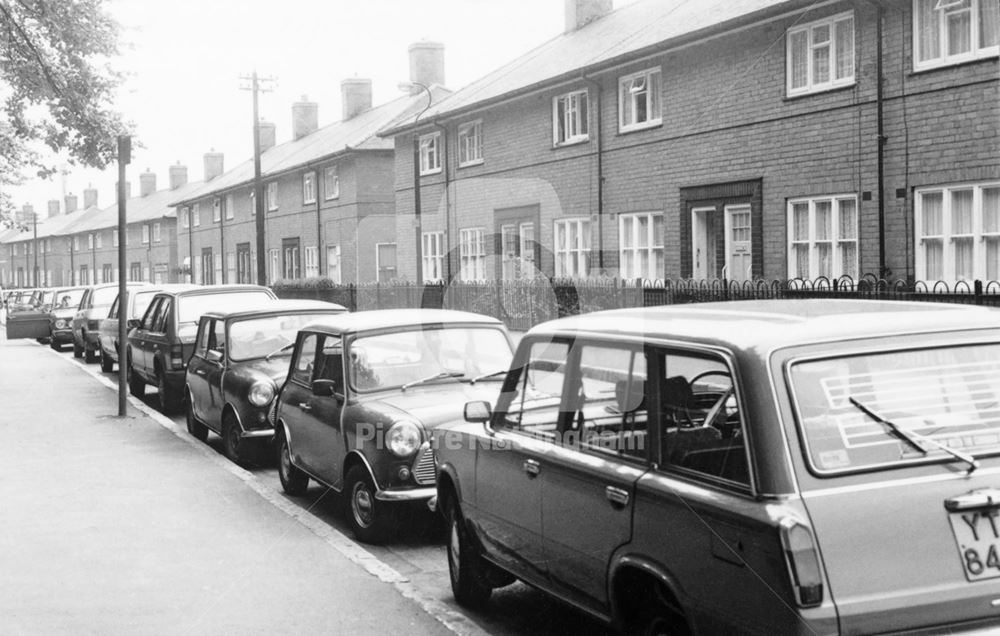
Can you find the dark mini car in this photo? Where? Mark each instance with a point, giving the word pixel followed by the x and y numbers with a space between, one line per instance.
pixel 240 359
pixel 160 344
pixel 765 467
pixel 362 395
pixel 138 303
pixel 92 311
pixel 63 307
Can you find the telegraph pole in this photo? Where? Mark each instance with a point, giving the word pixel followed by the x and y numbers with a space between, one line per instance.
pixel 124 157
pixel 258 187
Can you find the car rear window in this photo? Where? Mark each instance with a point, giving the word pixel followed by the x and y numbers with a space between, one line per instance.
pixel 947 396
pixel 104 296
pixel 190 308
pixel 258 337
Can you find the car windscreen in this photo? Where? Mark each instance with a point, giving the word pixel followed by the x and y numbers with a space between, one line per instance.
pixel 141 303
pixel 69 298
pixel 882 409
pixel 190 308
pixel 258 337
pixel 393 359
pixel 104 296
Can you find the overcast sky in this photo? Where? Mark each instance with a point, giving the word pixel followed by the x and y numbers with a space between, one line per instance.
pixel 184 58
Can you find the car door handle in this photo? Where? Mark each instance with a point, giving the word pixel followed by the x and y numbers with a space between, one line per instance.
pixel 617 496
pixel 305 406
pixel 531 467
pixel 199 372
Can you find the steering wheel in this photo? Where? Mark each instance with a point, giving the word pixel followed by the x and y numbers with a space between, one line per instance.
pixel 718 408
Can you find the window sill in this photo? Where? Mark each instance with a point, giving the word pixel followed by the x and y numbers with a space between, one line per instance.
pixel 624 130
pixel 470 164
pixel 576 141
pixel 309 202
pixel 964 61
pixel 431 172
pixel 789 97
pixel 333 198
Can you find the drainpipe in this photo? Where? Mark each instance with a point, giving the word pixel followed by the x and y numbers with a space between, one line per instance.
pixel 446 169
pixel 222 237
pixel 319 223
pixel 190 244
pixel 600 172
pixel 880 115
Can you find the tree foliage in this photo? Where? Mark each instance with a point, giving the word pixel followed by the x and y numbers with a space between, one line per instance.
pixel 57 89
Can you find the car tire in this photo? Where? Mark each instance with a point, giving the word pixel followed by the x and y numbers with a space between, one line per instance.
pixel 107 364
pixel 370 519
pixel 234 446
pixel 77 349
pixel 194 426
pixel 169 401
pixel 89 355
pixel 293 481
pixel 466 568
pixel 136 385
pixel 656 617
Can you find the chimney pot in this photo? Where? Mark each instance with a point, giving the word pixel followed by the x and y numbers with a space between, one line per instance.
pixel 580 13
pixel 213 164
pixel 266 130
pixel 305 118
pixel 178 176
pixel 71 202
pixel 89 197
pixel 426 65
pixel 355 96
pixel 53 208
pixel 147 183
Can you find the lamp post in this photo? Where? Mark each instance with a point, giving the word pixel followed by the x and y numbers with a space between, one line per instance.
pixel 409 86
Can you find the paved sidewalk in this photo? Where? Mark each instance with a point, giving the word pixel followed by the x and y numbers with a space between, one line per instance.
pixel 112 526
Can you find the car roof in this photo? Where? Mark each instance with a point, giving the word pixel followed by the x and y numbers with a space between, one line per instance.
pixel 280 306
pixel 770 324
pixel 388 318
pixel 196 290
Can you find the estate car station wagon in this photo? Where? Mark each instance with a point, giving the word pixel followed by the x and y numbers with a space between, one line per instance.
pixel 240 359
pixel 768 467
pixel 364 392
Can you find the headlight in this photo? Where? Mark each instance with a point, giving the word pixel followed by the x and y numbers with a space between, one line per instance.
pixel 403 438
pixel 60 324
pixel 261 393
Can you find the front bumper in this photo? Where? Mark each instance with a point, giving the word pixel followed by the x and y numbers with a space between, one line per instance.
pixel 409 494
pixel 62 336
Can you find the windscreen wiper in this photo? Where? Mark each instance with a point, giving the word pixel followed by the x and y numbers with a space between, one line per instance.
pixel 487 375
pixel 916 439
pixel 279 350
pixel 436 376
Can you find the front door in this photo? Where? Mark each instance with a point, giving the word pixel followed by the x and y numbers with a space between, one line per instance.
pixel 244 268
pixel 738 252
pixel 721 247
pixel 516 244
pixel 207 267
pixel 705 239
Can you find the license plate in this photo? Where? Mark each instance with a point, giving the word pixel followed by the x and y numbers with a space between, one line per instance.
pixel 977 534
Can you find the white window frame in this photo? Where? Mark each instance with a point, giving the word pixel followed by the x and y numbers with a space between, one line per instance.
pixel 196 214
pixel 186 217
pixel 378 264
pixel 976 50
pixel 470 143
pixel 230 267
pixel 274 260
pixel 331 182
pixel 572 261
pixel 156 233
pixel 114 238
pixel 76 245
pixel 472 254
pixel 310 259
pixel 90 242
pixel 217 210
pixel 979 235
pixel 308 187
pixel 333 270
pixel 272 196
pixel 572 118
pixel 230 205
pixel 98 240
pixel 832 82
pixel 432 256
pixel 625 85
pixel 837 267
pixel 629 244
pixel 430 153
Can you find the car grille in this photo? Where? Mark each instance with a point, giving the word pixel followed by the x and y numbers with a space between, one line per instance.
pixel 423 468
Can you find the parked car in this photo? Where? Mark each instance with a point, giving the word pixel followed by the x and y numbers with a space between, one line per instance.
pixel 363 392
pixel 811 467
pixel 63 307
pixel 93 309
pixel 160 344
pixel 25 317
pixel 138 301
pixel 240 359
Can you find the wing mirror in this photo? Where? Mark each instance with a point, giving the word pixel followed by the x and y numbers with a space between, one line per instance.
pixel 478 413
pixel 324 388
pixel 132 323
pixel 213 355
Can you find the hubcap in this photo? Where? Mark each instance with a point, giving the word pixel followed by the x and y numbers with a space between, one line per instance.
pixel 454 551
pixel 363 506
pixel 286 461
pixel 234 440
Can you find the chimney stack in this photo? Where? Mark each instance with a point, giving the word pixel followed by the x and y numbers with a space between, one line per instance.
pixel 213 164
pixel 426 65
pixel 580 13
pixel 27 213
pixel 178 176
pixel 53 208
pixel 267 135
pixel 305 118
pixel 71 202
pixel 147 183
pixel 89 197
pixel 355 96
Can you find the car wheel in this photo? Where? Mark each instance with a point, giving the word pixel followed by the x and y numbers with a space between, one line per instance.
pixel 168 396
pixel 656 615
pixel 369 519
pixel 107 364
pixel 89 355
pixel 466 568
pixel 197 430
pixel 232 443
pixel 77 349
pixel 136 385
pixel 293 481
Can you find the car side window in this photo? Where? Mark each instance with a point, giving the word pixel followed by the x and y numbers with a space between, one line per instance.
pixel 701 426
pixel 305 360
pixel 85 301
pixel 201 346
pixel 330 361
pixel 147 319
pixel 532 404
pixel 217 337
pixel 113 313
pixel 160 321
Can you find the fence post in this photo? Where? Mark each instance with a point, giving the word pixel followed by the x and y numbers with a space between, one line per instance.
pixel 978 287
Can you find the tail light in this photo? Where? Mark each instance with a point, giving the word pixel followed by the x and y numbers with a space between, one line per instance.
pixel 177 356
pixel 802 559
